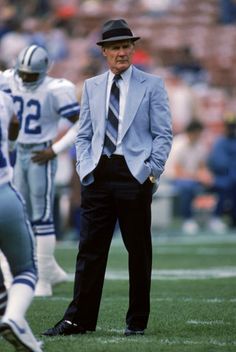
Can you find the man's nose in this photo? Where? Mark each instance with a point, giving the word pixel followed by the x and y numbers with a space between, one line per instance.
pixel 121 51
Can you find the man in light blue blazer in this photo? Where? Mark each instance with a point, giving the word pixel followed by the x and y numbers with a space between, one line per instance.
pixel 124 139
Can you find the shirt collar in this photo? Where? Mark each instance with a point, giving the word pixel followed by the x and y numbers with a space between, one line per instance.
pixel 125 75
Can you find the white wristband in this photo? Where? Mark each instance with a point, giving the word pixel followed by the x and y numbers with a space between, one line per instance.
pixel 67 140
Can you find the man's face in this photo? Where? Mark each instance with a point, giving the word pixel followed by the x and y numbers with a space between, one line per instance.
pixel 28 77
pixel 119 55
pixel 194 136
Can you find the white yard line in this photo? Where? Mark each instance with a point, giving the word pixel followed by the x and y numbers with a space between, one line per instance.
pixel 194 274
pixel 190 299
pixel 210 322
pixel 174 274
pixel 178 341
pixel 196 251
pixel 178 274
pixel 189 240
pixel 165 299
pixel 165 241
pixel 118 339
pixel 172 342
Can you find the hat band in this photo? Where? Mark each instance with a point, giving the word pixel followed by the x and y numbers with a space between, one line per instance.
pixel 117 33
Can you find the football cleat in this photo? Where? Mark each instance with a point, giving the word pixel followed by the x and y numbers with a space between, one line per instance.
pixel 20 336
pixel 58 275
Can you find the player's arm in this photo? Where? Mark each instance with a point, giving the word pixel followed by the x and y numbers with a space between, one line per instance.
pixel 59 146
pixel 13 131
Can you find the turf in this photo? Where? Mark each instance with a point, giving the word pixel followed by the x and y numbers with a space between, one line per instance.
pixel 193 300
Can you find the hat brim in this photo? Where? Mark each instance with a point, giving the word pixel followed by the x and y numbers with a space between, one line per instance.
pixel 117 39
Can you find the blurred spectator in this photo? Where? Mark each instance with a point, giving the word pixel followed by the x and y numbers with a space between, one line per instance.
pixel 211 103
pixel 227 11
pixel 222 162
pixel 30 8
pixel 143 60
pixel 182 101
pixel 48 34
pixel 188 67
pixel 88 71
pixel 187 170
pixel 55 40
pixel 157 7
pixel 66 17
pixel 7 14
pixel 12 43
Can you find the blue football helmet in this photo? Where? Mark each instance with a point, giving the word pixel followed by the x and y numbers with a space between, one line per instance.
pixel 32 61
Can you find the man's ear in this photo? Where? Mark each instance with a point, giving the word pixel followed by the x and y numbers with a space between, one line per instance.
pixel 104 51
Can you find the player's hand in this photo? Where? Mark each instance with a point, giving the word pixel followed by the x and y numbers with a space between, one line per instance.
pixel 42 156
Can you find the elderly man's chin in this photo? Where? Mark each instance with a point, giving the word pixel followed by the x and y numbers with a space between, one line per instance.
pixel 122 66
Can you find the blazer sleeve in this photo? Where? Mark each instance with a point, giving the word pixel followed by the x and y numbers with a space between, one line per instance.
pixel 161 128
pixel 84 136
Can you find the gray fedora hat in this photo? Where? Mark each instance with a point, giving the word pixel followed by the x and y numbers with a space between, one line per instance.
pixel 116 30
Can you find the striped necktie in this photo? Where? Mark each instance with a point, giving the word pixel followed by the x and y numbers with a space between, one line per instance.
pixel 113 118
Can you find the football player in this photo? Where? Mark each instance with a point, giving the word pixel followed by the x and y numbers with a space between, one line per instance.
pixel 17 243
pixel 40 101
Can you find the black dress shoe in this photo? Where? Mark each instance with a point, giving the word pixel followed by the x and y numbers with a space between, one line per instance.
pixel 129 331
pixel 63 327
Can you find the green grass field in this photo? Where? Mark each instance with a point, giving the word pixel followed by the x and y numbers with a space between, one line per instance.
pixel 193 299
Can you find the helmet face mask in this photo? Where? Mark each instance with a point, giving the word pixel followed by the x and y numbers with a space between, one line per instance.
pixel 28 77
pixel 32 66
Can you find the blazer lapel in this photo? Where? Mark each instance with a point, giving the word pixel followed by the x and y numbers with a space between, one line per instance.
pixel 134 98
pixel 99 100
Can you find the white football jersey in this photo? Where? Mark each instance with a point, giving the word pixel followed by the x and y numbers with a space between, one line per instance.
pixel 6 113
pixel 4 83
pixel 40 110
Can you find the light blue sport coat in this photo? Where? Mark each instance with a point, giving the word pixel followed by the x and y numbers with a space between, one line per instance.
pixel 147 128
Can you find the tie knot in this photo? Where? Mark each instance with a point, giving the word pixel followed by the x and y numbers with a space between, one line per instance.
pixel 117 77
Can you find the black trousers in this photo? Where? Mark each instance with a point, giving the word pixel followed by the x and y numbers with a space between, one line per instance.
pixel 114 195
